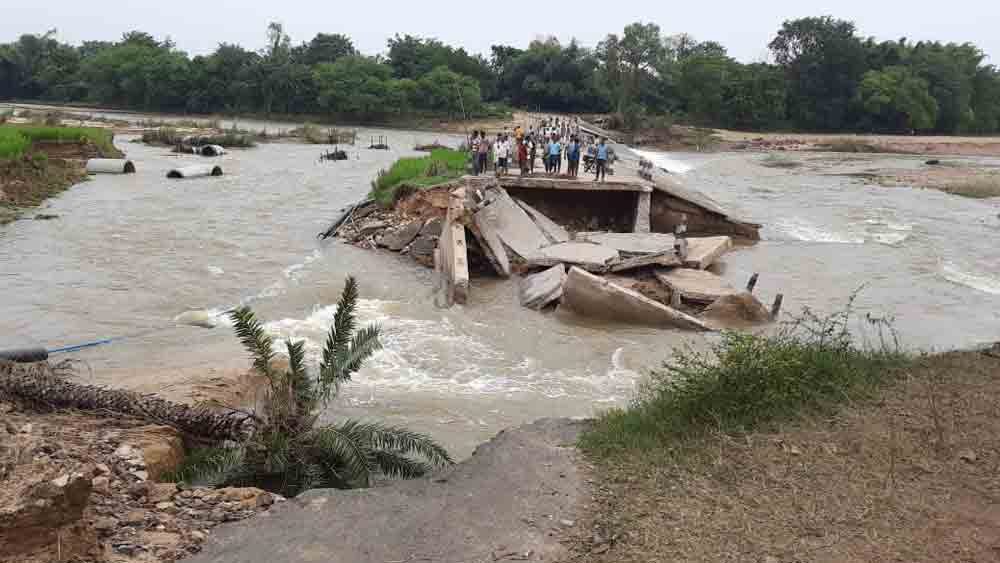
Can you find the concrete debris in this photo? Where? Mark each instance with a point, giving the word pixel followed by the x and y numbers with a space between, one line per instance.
pixel 737 310
pixel 695 285
pixel 632 244
pixel 512 225
pixel 594 296
pixel 491 244
pixel 453 253
pixel 399 239
pixel 555 233
pixel 663 259
pixel 590 257
pixel 541 289
pixel 702 252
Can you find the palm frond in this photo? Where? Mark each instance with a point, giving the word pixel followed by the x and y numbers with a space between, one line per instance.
pixel 212 466
pixel 345 443
pixel 402 441
pixel 343 365
pixel 343 322
pixel 398 466
pixel 301 384
pixel 255 340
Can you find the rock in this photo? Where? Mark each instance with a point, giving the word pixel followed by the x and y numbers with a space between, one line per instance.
pixel 702 252
pixel 968 456
pixel 101 485
pixel 142 475
pixel 512 225
pixel 27 428
pixel 164 505
pixel 198 536
pixel 432 228
pixel 138 490
pixel 398 239
pixel 135 517
pixel 664 259
pixel 161 492
pixel 541 289
pixel 61 481
pixel 160 447
pixel 102 469
pixel 590 257
pixel 590 295
pixel 40 507
pixel 125 451
pixel 555 233
pixel 736 310
pixel 422 250
pixel 106 524
pixel 567 523
pixel 695 285
pixel 631 244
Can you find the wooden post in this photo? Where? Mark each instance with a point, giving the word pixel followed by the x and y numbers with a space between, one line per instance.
pixel 776 308
pixel 753 282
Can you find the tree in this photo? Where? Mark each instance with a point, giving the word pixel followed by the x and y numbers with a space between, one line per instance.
pixel 289 451
pixel 357 85
pixel 324 48
pixel 824 61
pixel 754 98
pixel 896 99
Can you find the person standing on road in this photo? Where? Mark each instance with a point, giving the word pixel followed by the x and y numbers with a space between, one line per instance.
pixel 602 160
pixel 573 157
pixel 522 155
pixel 555 154
pixel 484 151
pixel 474 152
pixel 532 153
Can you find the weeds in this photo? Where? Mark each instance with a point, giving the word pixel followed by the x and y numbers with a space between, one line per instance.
pixel 853 146
pixel 439 167
pixel 169 137
pixel 749 381
pixel 15 140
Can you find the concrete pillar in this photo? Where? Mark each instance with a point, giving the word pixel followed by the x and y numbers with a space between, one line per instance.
pixel 643 209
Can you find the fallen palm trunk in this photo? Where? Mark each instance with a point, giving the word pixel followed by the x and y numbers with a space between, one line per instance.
pixel 38 384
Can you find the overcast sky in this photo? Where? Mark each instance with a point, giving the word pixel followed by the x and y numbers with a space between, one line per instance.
pixel 745 28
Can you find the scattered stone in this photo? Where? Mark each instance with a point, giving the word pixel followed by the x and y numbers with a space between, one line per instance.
pixel 590 257
pixel 101 485
pixel 198 536
pixel 968 456
pixel 541 289
pixel 422 250
pixel 160 492
pixel 105 524
pixel 135 517
pixel 567 523
pixel 398 239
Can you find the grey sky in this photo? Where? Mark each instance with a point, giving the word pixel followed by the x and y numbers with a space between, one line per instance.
pixel 745 28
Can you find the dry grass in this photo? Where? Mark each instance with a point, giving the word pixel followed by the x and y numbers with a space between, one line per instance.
pixel 975 187
pixel 909 476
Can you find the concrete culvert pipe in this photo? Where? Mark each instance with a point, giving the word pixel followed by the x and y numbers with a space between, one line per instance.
pixel 212 150
pixel 110 166
pixel 195 171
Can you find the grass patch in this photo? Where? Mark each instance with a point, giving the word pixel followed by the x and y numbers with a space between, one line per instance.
pixel 748 382
pixel 169 137
pixel 440 166
pixel 980 187
pixel 101 138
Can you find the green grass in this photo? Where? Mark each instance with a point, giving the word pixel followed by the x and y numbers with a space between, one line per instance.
pixel 440 166
pixel 852 146
pixel 11 146
pixel 748 382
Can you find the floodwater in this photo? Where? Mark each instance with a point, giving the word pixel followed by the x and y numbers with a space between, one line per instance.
pixel 129 253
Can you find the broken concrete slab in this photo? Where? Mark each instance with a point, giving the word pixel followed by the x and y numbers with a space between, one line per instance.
pixel 492 246
pixel 703 251
pixel 594 296
pixel 554 232
pixel 511 224
pixel 591 257
pixel 452 251
pixel 664 259
pixel 422 250
pixel 695 285
pixel 541 289
pixel 738 310
pixel 631 243
pixel 399 239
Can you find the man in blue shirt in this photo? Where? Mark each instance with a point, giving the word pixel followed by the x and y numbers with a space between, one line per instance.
pixel 573 157
pixel 555 154
pixel 602 160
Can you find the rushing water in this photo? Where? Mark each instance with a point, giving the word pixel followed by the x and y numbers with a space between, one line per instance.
pixel 129 253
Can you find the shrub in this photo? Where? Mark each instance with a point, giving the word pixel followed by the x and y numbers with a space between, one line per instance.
pixel 289 451
pixel 747 381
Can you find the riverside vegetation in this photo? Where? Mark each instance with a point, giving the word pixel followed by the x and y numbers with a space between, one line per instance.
pixel 420 171
pixel 778 447
pixel 825 77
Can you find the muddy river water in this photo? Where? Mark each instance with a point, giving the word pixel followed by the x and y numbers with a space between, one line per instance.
pixel 129 253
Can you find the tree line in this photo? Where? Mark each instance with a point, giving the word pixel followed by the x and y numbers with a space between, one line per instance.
pixel 824 77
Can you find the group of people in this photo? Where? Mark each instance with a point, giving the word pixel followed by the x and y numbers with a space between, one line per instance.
pixel 523 147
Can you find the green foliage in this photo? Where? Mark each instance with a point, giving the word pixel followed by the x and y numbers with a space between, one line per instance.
pixel 749 381
pixel 438 167
pixel 14 136
pixel 13 143
pixel 289 451
pixel 896 99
